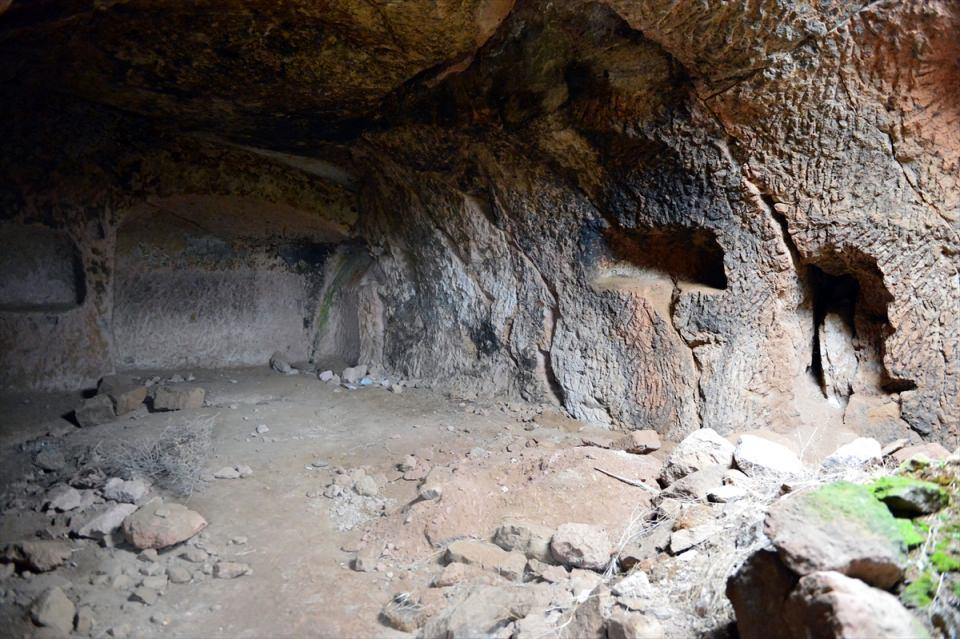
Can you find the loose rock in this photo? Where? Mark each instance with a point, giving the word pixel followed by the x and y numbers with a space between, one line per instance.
pixel 829 605
pixel 36 556
pixel 53 609
pixel 532 540
pixel 638 442
pixel 840 527
pixel 761 458
pixel 63 498
pixel 178 398
pixel 581 546
pixel 159 525
pixel 126 491
pixel 104 524
pixel 230 570
pixel 489 557
pixel 353 374
pixel 857 454
pixel 700 449
pixel 95 410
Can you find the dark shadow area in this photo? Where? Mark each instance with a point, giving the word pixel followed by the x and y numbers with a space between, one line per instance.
pixel 685 254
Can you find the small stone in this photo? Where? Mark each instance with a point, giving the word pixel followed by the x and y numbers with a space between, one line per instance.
pixel 146 528
pixel 126 491
pixel 353 374
pixel 106 522
pixel 696 485
pixel 245 471
pixel 179 575
pixel 687 538
pixel 546 572
pixel 178 398
pixel 279 363
pixel 95 411
pixel 262 429
pixel 149 555
pixel 37 556
pixel 325 376
pixel 194 555
pixel 532 540
pixel 631 625
pixel 698 450
pixel 761 458
pixel 409 463
pixel 320 463
pixel 489 557
pixel 581 546
pixel 155 582
pixel 144 595
pixel 230 570
pixel 62 498
pixel 86 622
pixel 126 394
pixel 238 540
pixel 638 442
pixel 861 452
pixel 227 472
pixel 366 559
pixel 403 614
pixel 366 486
pixel 49 460
pixel 160 620
pixel 119 632
pixel 53 609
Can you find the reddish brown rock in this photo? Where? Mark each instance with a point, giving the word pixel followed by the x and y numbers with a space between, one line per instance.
pixel 159 524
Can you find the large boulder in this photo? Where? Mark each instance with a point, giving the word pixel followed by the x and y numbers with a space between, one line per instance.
pixel 829 605
pixel 840 527
pixel 697 451
pixel 158 525
pixel 758 591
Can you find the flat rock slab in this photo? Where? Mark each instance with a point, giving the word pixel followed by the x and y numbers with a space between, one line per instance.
pixel 53 609
pixel 840 527
pixel 159 525
pixel 106 522
pixel 489 557
pixel 764 459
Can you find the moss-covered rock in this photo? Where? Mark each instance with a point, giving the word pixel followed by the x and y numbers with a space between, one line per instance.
pixel 843 527
pixel 909 496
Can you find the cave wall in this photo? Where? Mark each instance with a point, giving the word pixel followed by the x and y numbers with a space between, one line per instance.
pixel 655 214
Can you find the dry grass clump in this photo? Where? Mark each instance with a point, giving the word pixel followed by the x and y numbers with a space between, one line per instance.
pixel 174 460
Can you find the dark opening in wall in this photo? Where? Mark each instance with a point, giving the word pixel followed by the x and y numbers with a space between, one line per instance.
pixel 40 271
pixel 850 325
pixel 833 361
pixel 690 255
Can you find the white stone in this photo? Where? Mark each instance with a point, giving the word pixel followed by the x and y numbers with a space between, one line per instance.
pixel 698 450
pixel 63 498
pixel 354 374
pixel 761 458
pixel 128 492
pixel 107 522
pixel 325 376
pixel 227 472
pixel 861 452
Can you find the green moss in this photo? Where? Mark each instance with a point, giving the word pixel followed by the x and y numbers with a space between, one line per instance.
pixel 945 561
pixel 857 502
pixel 919 593
pixel 912 538
pixel 892 489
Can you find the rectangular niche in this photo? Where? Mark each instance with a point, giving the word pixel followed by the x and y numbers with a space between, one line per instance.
pixel 40 270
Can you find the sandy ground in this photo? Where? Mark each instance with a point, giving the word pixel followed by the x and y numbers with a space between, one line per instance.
pixel 497 460
pixel 302 584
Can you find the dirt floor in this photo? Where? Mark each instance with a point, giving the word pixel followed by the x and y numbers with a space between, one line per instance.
pixel 493 460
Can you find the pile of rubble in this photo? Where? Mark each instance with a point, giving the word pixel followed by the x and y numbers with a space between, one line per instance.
pixel 739 533
pixel 119 395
